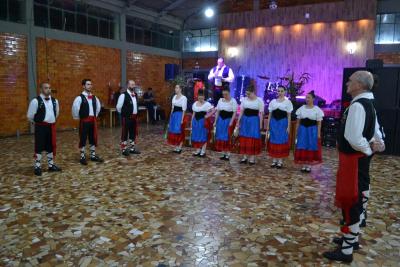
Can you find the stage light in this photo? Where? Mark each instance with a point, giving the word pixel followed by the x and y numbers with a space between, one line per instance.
pixel 209 12
pixel 351 47
pixel 232 52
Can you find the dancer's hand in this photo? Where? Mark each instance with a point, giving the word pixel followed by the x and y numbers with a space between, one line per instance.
pixel 377 146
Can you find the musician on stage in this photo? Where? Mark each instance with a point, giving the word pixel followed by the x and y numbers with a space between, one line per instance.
pixel 220 76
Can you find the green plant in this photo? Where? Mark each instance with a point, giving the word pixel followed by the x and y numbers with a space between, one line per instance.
pixel 294 87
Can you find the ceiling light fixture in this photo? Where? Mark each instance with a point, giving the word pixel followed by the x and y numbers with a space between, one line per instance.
pixel 209 12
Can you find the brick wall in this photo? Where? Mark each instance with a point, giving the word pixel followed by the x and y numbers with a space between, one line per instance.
pixel 389 58
pixel 13 84
pixel 148 71
pixel 203 63
pixel 68 63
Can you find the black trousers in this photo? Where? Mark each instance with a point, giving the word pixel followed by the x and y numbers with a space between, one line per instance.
pixel 87 131
pixel 150 109
pixel 363 185
pixel 43 139
pixel 128 128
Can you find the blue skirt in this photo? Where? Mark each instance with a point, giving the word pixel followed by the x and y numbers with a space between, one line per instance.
pixel 307 138
pixel 222 129
pixel 175 122
pixel 199 131
pixel 278 131
pixel 250 127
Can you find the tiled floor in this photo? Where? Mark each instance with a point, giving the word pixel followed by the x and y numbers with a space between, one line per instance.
pixel 160 209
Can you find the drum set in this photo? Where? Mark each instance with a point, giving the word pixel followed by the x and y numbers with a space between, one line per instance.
pixel 271 88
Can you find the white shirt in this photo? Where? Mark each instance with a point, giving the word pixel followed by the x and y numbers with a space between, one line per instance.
pixel 48 104
pixel 314 113
pixel 205 107
pixel 256 104
pixel 217 76
pixel 181 102
pixel 121 100
pixel 355 125
pixel 285 105
pixel 230 106
pixel 77 105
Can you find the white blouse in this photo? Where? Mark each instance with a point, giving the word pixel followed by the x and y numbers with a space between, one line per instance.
pixel 285 105
pixel 205 107
pixel 181 102
pixel 256 104
pixel 314 113
pixel 230 106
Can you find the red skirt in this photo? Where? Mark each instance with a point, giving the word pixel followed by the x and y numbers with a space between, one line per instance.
pixel 249 146
pixel 278 150
pixel 177 139
pixel 302 156
pixel 226 145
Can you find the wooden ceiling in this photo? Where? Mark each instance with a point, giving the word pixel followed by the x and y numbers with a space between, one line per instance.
pixel 230 6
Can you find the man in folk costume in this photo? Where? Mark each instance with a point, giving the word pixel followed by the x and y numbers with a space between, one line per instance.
pixel 358 139
pixel 220 76
pixel 128 108
pixel 86 108
pixel 43 112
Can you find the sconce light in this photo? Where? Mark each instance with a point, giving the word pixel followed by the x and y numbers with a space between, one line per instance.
pixel 351 48
pixel 232 52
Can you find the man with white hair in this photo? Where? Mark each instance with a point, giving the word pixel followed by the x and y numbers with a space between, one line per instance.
pixel 221 76
pixel 359 137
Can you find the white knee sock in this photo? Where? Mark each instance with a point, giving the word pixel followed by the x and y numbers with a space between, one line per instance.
pixel 92 151
pixel 38 158
pixel 350 238
pixel 50 159
pixel 82 152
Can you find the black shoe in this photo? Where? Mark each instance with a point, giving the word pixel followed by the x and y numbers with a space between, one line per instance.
pixel 303 169
pixel 125 152
pixel 202 155
pixel 134 151
pixel 252 162
pixel 339 241
pixel 337 255
pixel 363 223
pixel 54 168
pixel 83 161
pixel 96 158
pixel 308 170
pixel 196 154
pixel 279 165
pixel 38 171
pixel 223 157
pixel 243 161
pixel 178 151
pixel 273 165
pixel 226 158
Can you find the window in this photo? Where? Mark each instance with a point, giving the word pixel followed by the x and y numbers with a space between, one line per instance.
pixel 74 16
pixel 200 40
pixel 151 34
pixel 387 28
pixel 12 10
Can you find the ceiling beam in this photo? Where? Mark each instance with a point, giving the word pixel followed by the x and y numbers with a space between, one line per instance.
pixel 171 6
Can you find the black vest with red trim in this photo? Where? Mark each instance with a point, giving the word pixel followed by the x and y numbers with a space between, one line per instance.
pixel 84 108
pixel 127 107
pixel 369 126
pixel 41 110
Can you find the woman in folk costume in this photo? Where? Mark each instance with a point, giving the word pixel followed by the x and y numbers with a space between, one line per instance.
pixel 176 129
pixel 278 127
pixel 201 124
pixel 225 123
pixel 308 131
pixel 249 126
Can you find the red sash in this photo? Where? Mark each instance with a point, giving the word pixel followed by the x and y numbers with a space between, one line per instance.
pixel 94 120
pixel 53 134
pixel 347 182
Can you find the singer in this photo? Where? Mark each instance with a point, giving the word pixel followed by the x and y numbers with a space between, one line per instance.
pixel 220 76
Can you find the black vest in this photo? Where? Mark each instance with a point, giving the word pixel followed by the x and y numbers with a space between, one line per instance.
pixel 127 107
pixel 369 126
pixel 84 109
pixel 41 110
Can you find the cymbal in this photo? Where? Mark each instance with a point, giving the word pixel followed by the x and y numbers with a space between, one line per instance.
pixel 263 77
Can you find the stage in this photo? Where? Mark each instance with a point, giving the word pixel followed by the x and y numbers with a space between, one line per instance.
pixel 164 209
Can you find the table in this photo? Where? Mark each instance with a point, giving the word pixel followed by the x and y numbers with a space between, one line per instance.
pixel 111 112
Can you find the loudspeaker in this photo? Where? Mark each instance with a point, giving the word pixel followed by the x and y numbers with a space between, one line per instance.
pixel 374 63
pixel 171 71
